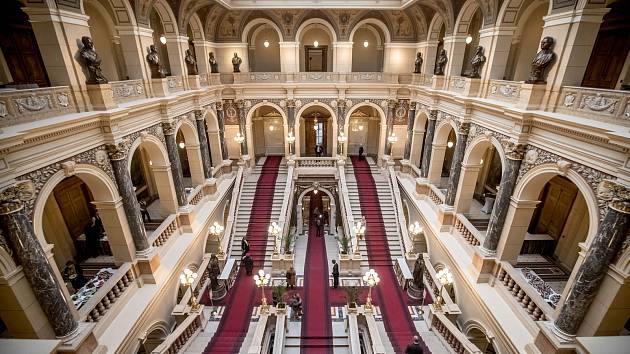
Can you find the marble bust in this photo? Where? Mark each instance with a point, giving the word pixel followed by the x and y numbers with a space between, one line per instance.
pixel 154 63
pixel 441 63
pixel 477 62
pixel 418 64
pixel 236 63
pixel 92 62
pixel 542 59
pixel 191 63
pixel 214 65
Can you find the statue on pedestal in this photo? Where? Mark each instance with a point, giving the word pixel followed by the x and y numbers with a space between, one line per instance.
pixel 418 271
pixel 541 61
pixel 477 62
pixel 191 63
pixel 92 62
pixel 154 63
pixel 214 272
pixel 441 63
pixel 418 65
pixel 236 63
pixel 214 66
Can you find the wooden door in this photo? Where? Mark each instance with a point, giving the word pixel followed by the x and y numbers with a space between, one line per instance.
pixel 71 197
pixel 316 58
pixel 557 202
pixel 309 137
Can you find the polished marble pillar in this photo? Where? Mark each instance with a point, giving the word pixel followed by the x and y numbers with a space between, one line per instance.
pixel 514 154
pixel 291 124
pixel 391 111
pixel 221 121
pixel 118 155
pixel 611 234
pixel 428 144
pixel 456 166
pixel 206 159
pixel 240 106
pixel 18 230
pixel 176 167
pixel 410 123
pixel 341 123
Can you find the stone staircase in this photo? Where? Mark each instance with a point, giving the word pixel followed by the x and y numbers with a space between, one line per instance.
pixel 246 200
pixel 340 343
pixel 386 200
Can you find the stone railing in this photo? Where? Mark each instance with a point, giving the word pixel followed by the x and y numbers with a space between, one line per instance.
pixel 107 295
pixel 166 229
pixel 376 342
pixel 203 80
pixel 198 287
pixel 347 217
pixel 179 339
pixel 380 77
pixel 524 294
pixel 196 195
pixel 468 232
pixel 285 212
pixel 451 335
pixel 503 90
pixel 352 328
pixel 175 84
pixel 23 106
pixel 457 84
pixel 436 195
pixel 606 105
pixel 281 330
pixel 315 161
pixel 260 77
pixel 403 233
pixel 128 90
pixel 421 80
pixel 234 201
pixel 434 287
pixel 229 273
pixel 317 77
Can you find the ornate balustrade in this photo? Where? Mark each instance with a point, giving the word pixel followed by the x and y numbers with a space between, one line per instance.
pixel 358 77
pixel 234 200
pixel 433 287
pixel 524 294
pixel 166 229
pixel 175 84
pixel 285 212
pixel 196 195
pixel 128 90
pixel 451 335
pixel 179 339
pixel 421 79
pixel 315 161
pixel 346 211
pixel 373 332
pixel 468 232
pixel 503 90
pixel 606 105
pixel 23 106
pixel 260 77
pixel 203 79
pixel 436 195
pixel 107 295
pixel 317 77
pixel 457 84
pixel 403 233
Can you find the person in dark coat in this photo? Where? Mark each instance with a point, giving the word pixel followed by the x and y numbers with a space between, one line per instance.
pixel 414 347
pixel 248 262
pixel 146 217
pixel 319 223
pixel 244 245
pixel 92 236
pixel 335 274
pixel 291 275
pixel 361 152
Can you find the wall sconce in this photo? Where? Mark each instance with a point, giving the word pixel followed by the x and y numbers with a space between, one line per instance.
pixel 449 144
pixel 481 162
pixel 365 44
pixel 150 163
pixel 468 39
pixel 182 145
pixel 271 128
pixel 360 127
pixel 316 44
pixel 266 44
pixel 162 39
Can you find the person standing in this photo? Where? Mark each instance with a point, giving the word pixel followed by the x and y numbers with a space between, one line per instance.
pixel 143 210
pixel 244 245
pixel 291 275
pixel 92 238
pixel 414 347
pixel 319 224
pixel 335 274
pixel 361 152
pixel 248 262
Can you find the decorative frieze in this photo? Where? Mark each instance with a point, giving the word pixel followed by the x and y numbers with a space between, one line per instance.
pixel 604 105
pixel 127 90
pixel 21 106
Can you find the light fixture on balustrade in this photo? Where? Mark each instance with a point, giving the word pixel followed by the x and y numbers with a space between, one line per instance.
pixel 449 144
pixel 163 39
pixel 316 44
pixel 266 44
pixel 182 145
pixel 365 44
pixel 468 39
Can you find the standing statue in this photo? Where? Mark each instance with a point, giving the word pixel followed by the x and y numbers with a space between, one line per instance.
pixel 418 271
pixel 191 63
pixel 154 63
pixel 92 62
pixel 441 63
pixel 541 61
pixel 236 63
pixel 477 62
pixel 419 61
pixel 214 66
pixel 214 272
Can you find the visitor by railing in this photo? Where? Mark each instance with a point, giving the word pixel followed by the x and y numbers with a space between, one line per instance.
pixel 606 105
pixel 166 229
pixel 23 106
pixel 468 232
pixel 180 338
pixel 503 90
pixel 174 83
pixel 524 294
pixel 315 161
pixel 107 295
pixel 285 211
pixel 128 90
pixel 451 335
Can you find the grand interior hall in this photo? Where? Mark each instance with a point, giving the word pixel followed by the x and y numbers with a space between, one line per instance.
pixel 315 176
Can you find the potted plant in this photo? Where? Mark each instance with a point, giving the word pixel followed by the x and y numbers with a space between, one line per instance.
pixel 288 241
pixel 278 297
pixel 352 294
pixel 344 241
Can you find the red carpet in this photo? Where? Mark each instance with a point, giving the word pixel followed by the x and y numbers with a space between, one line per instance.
pixel 316 335
pixel 243 295
pixel 387 294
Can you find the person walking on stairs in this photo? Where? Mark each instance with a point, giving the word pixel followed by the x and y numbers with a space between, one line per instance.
pixel 291 274
pixel 248 262
pixel 335 274
pixel 414 347
pixel 319 222
pixel 244 245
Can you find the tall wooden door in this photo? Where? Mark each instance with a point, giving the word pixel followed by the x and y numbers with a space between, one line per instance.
pixel 73 203
pixel 557 203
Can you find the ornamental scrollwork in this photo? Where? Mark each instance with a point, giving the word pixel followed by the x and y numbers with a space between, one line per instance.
pixel 33 103
pixel 599 103
pixel 616 194
pixel 13 197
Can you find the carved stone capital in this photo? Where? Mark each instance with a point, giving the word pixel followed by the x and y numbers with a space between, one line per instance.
pixel 341 104
pixel 616 194
pixel 514 151
pixel 12 198
pixel 168 128
pixel 463 128
pixel 433 114
pixel 118 151
pixel 290 103
pixel 412 106
pixel 391 104
pixel 240 104
pixel 218 105
pixel 199 115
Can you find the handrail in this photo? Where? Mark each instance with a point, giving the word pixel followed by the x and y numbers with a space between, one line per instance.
pixel 256 344
pixel 280 333
pixel 435 194
pixel 451 335
pixel 112 290
pixel 195 196
pixel 352 327
pixel 285 211
pixel 234 201
pixel 166 229
pixel 403 236
pixel 177 341
pixel 315 161
pixel 415 170
pixel 375 336
pixel 346 211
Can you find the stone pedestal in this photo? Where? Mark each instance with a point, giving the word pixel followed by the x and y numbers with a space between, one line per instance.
pixel 422 186
pixel 193 82
pixel 350 264
pixel 101 97
pixel 531 96
pixel 185 217
pixel 210 187
pixel 446 217
pixel 147 264
pixel 437 82
pixel 546 342
pixel 280 263
pixel 472 87
pixel 482 266
pixel 160 87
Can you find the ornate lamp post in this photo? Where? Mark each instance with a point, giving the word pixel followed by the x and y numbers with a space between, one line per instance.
pixel 216 230
pixel 445 277
pixel 415 230
pixel 261 280
pixel 274 229
pixel 240 138
pixel 342 138
pixel 187 278
pixel 359 230
pixel 291 140
pixel 372 279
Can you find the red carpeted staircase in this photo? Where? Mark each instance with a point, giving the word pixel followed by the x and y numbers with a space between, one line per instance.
pixel 387 295
pixel 240 302
pixel 316 335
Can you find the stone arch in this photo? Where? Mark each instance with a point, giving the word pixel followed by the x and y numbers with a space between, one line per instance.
pixel 476 148
pixel 255 23
pixel 419 131
pixel 193 150
pixel 383 124
pixel 155 148
pixel 169 21
pixel 155 334
pixel 435 26
pixel 333 207
pixel 298 117
pixel 372 21
pixel 120 11
pixel 438 149
pixel 454 291
pixel 314 24
pixel 316 20
pixel 249 128
pixel 197 28
pixel 465 16
pixel 103 33
pixel 512 11
pixel 471 326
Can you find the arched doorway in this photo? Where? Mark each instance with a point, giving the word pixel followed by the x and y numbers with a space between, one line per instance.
pixel 480 339
pixel 417 142
pixel 316 127
pixel 368 47
pixel 316 38
pixel 189 154
pixel 263 41
pixel 156 22
pixel 472 41
pixel 364 127
pixel 443 149
pixel 268 131
pixel 154 337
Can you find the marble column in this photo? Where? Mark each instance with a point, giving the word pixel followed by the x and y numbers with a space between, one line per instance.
pixel 221 120
pixel 514 153
pixel 118 155
pixel 341 123
pixel 456 166
pixel 410 123
pixel 18 230
pixel 291 123
pixel 391 111
pixel 206 159
pixel 428 143
pixel 176 167
pixel 240 106
pixel 605 246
